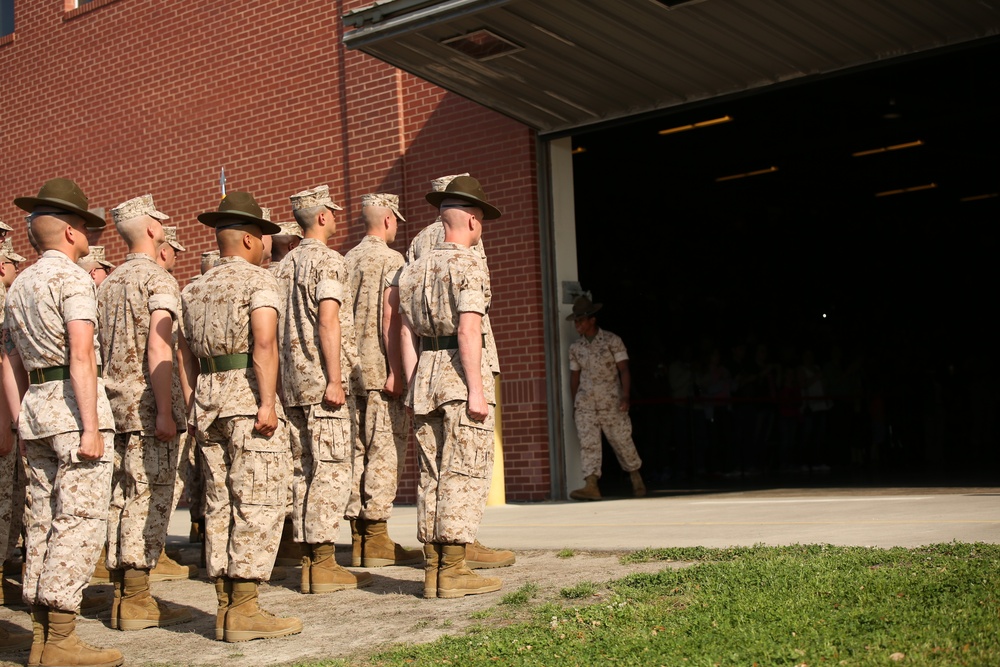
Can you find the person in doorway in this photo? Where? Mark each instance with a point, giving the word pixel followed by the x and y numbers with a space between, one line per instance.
pixel 600 383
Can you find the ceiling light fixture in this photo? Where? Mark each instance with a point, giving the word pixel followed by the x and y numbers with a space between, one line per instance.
pixel 900 191
pixel 693 126
pixel 578 150
pixel 758 172
pixel 991 195
pixel 886 149
pixel 482 44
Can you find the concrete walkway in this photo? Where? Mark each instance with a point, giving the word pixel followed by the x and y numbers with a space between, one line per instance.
pixel 883 517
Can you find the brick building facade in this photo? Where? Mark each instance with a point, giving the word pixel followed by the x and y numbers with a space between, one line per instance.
pixel 135 96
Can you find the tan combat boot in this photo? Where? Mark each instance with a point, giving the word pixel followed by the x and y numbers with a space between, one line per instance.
pixel 13 638
pixel 432 560
pixel 638 487
pixel 167 569
pixel 479 557
pixel 245 620
pixel 39 630
pixel 10 587
pixel 223 591
pixel 93 602
pixel 100 575
pixel 64 647
pixel 325 576
pixel 589 491
pixel 290 552
pixel 357 541
pixel 118 581
pixel 380 551
pixel 139 610
pixel 455 580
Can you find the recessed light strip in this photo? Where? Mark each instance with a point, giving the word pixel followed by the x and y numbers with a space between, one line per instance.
pixel 886 149
pixel 694 126
pixel 991 195
pixel 900 191
pixel 758 172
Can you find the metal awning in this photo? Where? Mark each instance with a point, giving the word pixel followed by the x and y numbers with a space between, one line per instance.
pixel 556 65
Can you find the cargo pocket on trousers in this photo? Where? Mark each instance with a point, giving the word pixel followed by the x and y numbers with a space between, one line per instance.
pixel 472 455
pixel 152 461
pixel 265 463
pixel 331 439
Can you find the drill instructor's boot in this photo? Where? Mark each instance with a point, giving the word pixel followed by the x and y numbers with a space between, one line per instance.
pixel 379 550
pixel 118 581
pixel 223 590
pixel 479 557
pixel 432 560
pixel 455 580
pixel 13 638
pixel 39 630
pixel 290 552
pixel 64 647
pixel 589 491
pixel 325 576
pixel 357 541
pixel 245 620
pixel 139 610
pixel 167 569
pixel 638 486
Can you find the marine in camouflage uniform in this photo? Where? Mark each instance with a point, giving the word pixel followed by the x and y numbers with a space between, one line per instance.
pixel 443 297
pixel 380 449
pixel 600 384
pixel 230 321
pixel 318 359
pixel 65 421
pixel 138 313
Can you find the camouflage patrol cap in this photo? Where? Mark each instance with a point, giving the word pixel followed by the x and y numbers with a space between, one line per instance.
pixel 210 254
pixel 290 229
pixel 384 200
pixel 440 183
pixel 135 207
pixel 318 196
pixel 171 238
pixel 4 227
pixel 7 250
pixel 96 256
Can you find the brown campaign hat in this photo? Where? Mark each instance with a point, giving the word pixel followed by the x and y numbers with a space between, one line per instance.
pixel 467 189
pixel 63 194
pixel 583 307
pixel 239 208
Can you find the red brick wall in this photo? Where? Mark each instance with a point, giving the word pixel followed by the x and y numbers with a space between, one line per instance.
pixel 134 96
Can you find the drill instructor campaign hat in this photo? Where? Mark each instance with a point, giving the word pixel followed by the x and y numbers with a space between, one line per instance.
pixel 467 189
pixel 583 307
pixel 238 208
pixel 65 195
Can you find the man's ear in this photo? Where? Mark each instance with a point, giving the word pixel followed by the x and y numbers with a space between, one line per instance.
pixel 248 241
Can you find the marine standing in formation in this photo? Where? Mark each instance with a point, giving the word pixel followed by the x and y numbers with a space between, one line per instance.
pixel 443 297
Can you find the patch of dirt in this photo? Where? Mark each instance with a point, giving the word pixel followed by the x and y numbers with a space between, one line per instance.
pixel 346 624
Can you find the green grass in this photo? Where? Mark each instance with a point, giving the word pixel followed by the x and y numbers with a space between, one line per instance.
pixel 521 596
pixel 812 605
pixel 584 589
pixel 565 553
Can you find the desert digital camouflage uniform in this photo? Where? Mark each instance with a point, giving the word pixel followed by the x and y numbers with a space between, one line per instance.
pixel 68 497
pixel 383 422
pixel 13 480
pixel 598 400
pixel 427 239
pixel 246 474
pixel 323 436
pixel 144 467
pixel 456 453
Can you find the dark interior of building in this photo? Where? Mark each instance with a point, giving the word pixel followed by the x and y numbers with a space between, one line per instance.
pixel 850 219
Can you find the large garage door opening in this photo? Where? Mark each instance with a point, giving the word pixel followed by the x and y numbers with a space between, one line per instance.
pixel 805 277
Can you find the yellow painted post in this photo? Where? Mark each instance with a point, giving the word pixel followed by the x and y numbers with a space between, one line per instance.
pixel 498 491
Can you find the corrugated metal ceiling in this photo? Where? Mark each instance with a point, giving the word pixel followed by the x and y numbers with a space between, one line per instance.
pixel 583 62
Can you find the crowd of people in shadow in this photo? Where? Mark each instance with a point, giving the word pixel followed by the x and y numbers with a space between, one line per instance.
pixel 753 410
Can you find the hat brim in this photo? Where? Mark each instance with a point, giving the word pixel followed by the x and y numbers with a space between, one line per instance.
pixel 590 312
pixel 159 215
pixel 399 216
pixel 14 257
pixel 490 212
pixel 5 227
pixel 176 246
pixel 91 221
pixel 213 218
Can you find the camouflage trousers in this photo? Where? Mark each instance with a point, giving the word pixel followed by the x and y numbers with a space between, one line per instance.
pixel 188 483
pixel 324 469
pixel 66 518
pixel 13 486
pixel 142 498
pixel 379 456
pixel 456 466
pixel 246 485
pixel 617 427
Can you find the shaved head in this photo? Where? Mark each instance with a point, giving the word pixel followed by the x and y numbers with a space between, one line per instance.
pixel 134 229
pixel 48 230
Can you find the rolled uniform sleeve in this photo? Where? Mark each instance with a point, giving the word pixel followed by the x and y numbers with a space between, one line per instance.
pixel 330 288
pixel 617 348
pixel 473 295
pixel 265 298
pixel 79 302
